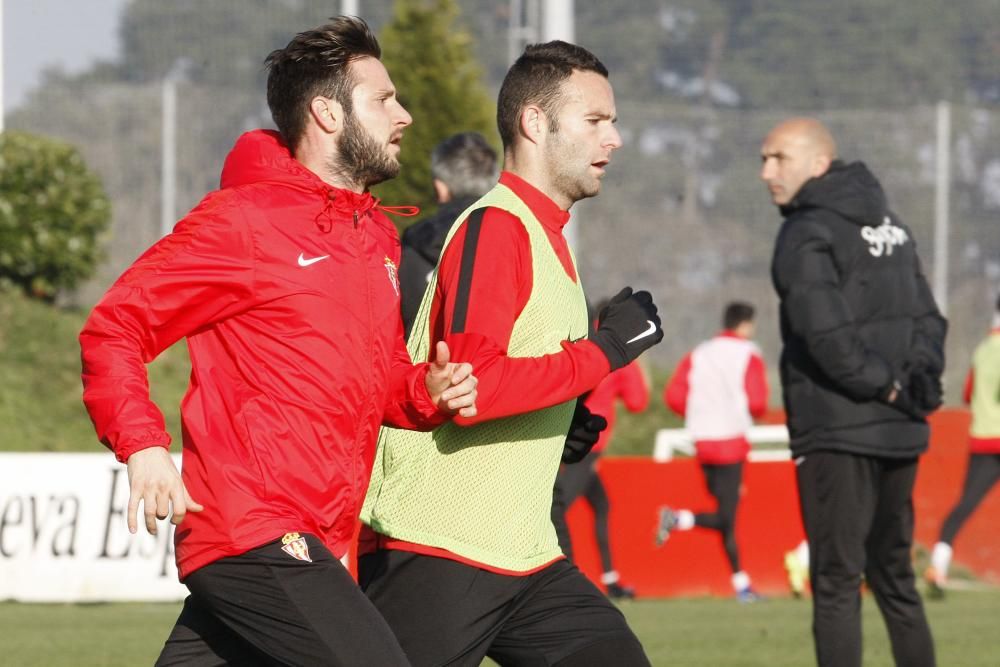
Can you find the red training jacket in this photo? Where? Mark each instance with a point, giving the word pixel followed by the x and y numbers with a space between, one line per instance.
pixel 286 290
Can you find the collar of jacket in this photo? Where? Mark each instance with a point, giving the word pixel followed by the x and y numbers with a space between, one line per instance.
pixel 848 189
pixel 261 156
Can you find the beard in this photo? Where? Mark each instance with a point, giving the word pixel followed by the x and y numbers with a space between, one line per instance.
pixel 361 159
pixel 569 175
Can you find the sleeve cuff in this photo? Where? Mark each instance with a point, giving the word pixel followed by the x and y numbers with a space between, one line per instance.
pixel 139 442
pixel 422 402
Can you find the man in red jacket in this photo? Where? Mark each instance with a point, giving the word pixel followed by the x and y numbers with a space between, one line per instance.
pixel 718 388
pixel 284 284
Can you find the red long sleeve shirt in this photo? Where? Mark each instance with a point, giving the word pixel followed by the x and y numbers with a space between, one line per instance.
pixel 489 299
pixel 628 383
pixel 484 282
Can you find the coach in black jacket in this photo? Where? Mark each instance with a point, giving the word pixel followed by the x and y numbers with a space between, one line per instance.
pixel 463 169
pixel 860 369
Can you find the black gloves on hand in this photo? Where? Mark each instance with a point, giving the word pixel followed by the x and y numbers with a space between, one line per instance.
pixel 925 390
pixel 584 432
pixel 627 327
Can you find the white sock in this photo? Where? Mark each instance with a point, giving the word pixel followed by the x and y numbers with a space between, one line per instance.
pixel 685 520
pixel 941 559
pixel 802 552
pixel 741 581
pixel 609 578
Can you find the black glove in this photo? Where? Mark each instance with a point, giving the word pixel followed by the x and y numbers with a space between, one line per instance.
pixel 627 327
pixel 925 390
pixel 584 432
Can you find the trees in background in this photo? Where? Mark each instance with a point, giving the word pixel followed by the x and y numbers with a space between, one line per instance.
pixel 53 211
pixel 799 54
pixel 431 60
pixel 696 82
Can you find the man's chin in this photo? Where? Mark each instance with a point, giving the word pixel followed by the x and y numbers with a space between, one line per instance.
pixel 386 174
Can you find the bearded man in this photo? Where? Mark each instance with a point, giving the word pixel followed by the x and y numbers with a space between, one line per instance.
pixel 284 284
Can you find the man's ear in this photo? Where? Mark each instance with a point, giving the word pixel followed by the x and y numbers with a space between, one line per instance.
pixel 327 113
pixel 533 123
pixel 441 191
pixel 821 164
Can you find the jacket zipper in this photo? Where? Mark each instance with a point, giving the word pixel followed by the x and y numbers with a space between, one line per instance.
pixel 371 344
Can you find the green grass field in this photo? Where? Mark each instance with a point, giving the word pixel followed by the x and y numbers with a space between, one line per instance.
pixel 686 633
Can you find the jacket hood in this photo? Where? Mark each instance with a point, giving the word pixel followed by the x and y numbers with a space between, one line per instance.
pixel 850 190
pixel 261 156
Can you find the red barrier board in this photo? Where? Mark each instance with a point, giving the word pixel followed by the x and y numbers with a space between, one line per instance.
pixel 692 563
pixel 768 523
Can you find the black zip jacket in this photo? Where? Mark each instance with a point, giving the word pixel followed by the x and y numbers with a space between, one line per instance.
pixel 422 243
pixel 856 315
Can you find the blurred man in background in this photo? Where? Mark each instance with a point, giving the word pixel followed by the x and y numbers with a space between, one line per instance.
pixel 860 369
pixel 579 477
pixel 719 387
pixel 284 284
pixel 982 393
pixel 463 169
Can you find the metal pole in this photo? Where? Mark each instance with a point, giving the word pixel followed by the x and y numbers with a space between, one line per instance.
pixel 2 109
pixel 514 30
pixel 557 21
pixel 350 8
pixel 525 16
pixel 942 191
pixel 168 168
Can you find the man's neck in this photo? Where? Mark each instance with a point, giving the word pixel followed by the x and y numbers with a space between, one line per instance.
pixel 534 173
pixel 318 160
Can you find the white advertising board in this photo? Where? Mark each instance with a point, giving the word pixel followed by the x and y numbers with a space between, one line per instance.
pixel 64 538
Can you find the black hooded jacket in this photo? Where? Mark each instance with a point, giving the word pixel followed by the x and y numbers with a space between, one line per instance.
pixel 422 243
pixel 856 315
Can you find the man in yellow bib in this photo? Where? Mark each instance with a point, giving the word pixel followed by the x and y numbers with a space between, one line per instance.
pixel 982 393
pixel 462 558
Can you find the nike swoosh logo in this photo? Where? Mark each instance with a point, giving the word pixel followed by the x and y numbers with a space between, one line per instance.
pixel 312 260
pixel 648 332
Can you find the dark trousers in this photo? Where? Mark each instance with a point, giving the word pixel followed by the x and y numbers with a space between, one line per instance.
pixel 573 481
pixel 858 515
pixel 266 607
pixel 449 613
pixel 982 473
pixel 723 482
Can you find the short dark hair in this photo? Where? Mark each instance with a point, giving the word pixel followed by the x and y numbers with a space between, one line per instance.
pixel 737 313
pixel 535 78
pixel 316 62
pixel 466 163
